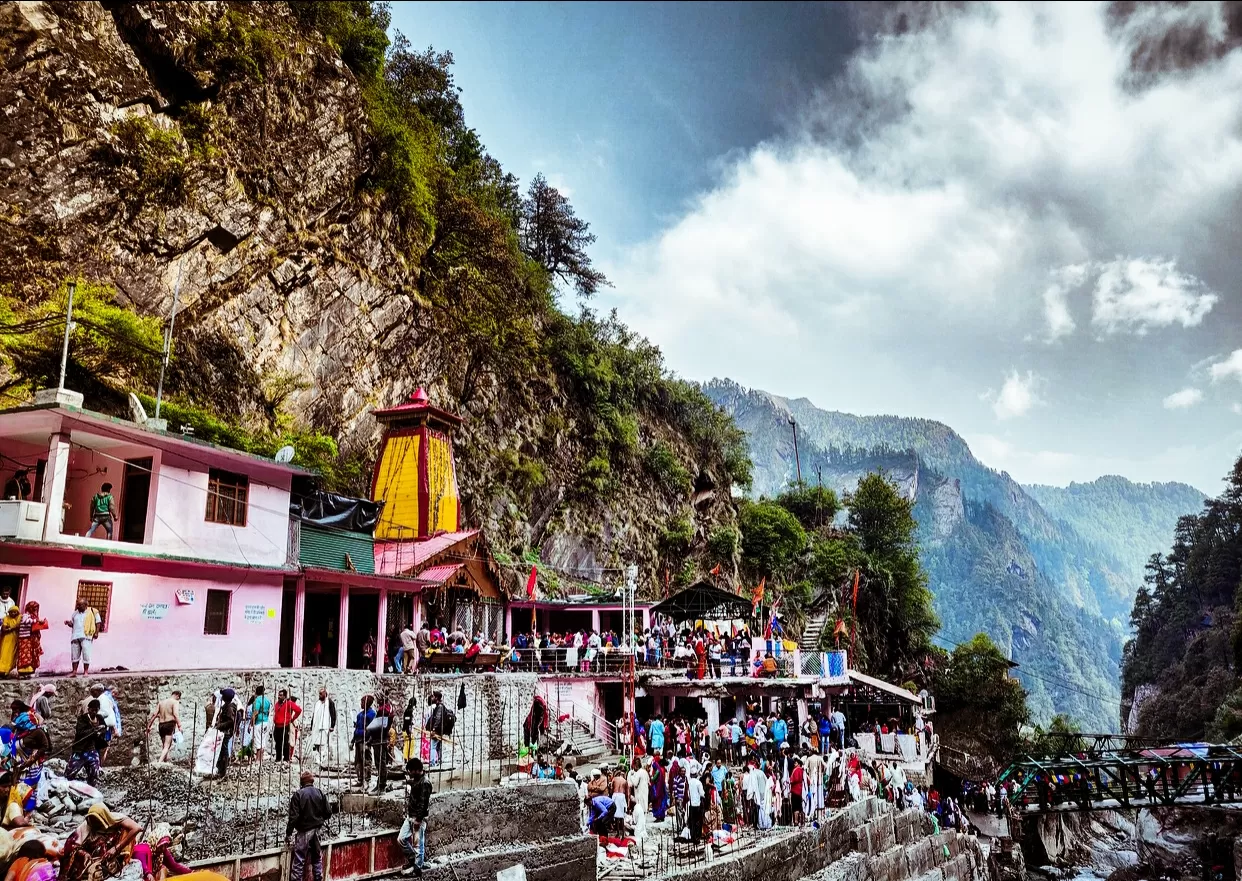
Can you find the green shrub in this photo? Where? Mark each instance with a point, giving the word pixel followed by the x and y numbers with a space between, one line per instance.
pixel 678 532
pixel 239 49
pixel 150 159
pixel 666 468
pixel 723 543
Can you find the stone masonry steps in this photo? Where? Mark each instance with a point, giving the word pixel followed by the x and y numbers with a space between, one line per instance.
pixel 811 631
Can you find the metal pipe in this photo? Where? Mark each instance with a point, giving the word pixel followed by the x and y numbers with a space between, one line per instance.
pixel 64 350
pixel 168 335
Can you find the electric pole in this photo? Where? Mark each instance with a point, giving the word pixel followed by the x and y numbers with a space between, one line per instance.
pixel 797 461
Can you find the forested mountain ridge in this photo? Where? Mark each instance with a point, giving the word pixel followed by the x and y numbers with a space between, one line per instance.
pixel 1132 520
pixel 1180 675
pixel 997 560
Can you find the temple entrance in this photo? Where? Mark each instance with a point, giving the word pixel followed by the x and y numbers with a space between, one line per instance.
pixel 321 628
pixel 568 620
pixel 612 699
pixel 363 640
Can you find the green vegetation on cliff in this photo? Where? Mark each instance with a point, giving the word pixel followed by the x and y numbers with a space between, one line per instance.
pixel 1181 667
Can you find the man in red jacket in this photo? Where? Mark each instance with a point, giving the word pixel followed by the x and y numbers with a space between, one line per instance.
pixel 284 715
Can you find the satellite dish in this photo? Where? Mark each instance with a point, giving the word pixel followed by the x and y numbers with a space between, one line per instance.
pixel 136 411
pixel 285 454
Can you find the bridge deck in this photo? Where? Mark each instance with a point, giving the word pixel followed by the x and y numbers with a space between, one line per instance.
pixel 1111 772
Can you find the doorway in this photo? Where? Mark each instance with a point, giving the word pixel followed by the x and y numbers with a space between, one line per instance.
pixel 612 698
pixel 321 629
pixel 135 496
pixel 13 584
pixel 363 614
pixel 288 609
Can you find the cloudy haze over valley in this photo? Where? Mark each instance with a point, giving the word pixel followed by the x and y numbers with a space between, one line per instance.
pixel 1022 221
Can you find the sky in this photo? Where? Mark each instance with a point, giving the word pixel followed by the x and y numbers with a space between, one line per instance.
pixel 1020 220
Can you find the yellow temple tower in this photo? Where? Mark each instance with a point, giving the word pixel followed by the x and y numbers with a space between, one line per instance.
pixel 415 475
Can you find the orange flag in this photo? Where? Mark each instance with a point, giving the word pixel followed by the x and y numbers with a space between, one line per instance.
pixel 716 570
pixel 757 598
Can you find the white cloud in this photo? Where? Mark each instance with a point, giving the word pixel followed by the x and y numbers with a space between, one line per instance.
pixel 897 248
pixel 1230 367
pixel 938 184
pixel 1137 295
pixel 1183 400
pixel 1056 299
pixel 1236 408
pixel 1017 395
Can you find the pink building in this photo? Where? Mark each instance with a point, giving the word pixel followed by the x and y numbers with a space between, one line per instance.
pixel 194 574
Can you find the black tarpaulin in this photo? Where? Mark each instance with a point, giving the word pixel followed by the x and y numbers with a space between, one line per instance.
pixel 339 512
pixel 704 601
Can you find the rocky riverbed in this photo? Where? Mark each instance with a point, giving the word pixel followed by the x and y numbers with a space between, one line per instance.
pixel 1130 845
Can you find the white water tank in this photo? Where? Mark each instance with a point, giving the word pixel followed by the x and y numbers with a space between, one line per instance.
pixel 20 519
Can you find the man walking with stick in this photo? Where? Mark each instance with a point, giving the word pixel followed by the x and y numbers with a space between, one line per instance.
pixel 308 812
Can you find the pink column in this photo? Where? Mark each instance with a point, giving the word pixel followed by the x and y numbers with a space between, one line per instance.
pixel 342 645
pixel 508 622
pixel 299 622
pixel 595 620
pixel 381 630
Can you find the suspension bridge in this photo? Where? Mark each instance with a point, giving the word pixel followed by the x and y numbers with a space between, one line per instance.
pixel 1097 772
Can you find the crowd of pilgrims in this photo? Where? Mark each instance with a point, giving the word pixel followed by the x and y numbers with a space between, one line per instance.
pixel 760 772
pixel 705 653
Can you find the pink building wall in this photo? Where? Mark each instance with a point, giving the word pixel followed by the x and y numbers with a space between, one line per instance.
pixel 177 509
pixel 149 630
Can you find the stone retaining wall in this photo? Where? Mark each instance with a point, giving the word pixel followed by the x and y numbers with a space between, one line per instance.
pixel 893 846
pixel 496 704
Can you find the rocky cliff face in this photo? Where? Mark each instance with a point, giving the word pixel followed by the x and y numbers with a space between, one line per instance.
pixel 218 150
pixel 990 571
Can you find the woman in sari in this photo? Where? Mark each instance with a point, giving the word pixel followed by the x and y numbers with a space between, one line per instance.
pixel 30 640
pixel 729 802
pixel 659 790
pixel 156 855
pixel 8 640
pixel 700 654
pixel 102 843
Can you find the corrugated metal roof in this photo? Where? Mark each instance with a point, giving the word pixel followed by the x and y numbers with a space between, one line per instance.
pixel 438 574
pixel 327 549
pixel 399 557
pixel 880 684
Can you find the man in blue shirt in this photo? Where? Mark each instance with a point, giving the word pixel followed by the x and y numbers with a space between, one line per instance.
pixel 778 729
pixel 656 733
pixel 735 737
pixel 718 776
pixel 600 812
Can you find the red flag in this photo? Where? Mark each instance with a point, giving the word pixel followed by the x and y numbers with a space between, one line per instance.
pixel 530 583
pixel 716 571
pixel 855 588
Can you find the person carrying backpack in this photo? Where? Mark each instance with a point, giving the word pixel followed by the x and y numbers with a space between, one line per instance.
pixel 103 512
pixel 439 724
pixel 226 724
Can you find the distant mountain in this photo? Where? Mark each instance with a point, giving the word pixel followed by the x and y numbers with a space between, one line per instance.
pixel 1131 520
pixel 1054 594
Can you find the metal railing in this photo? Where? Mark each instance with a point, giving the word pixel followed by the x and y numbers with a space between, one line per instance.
pixel 245 809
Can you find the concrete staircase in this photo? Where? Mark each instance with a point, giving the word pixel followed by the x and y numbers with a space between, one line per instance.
pixel 815 624
pixel 584 746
